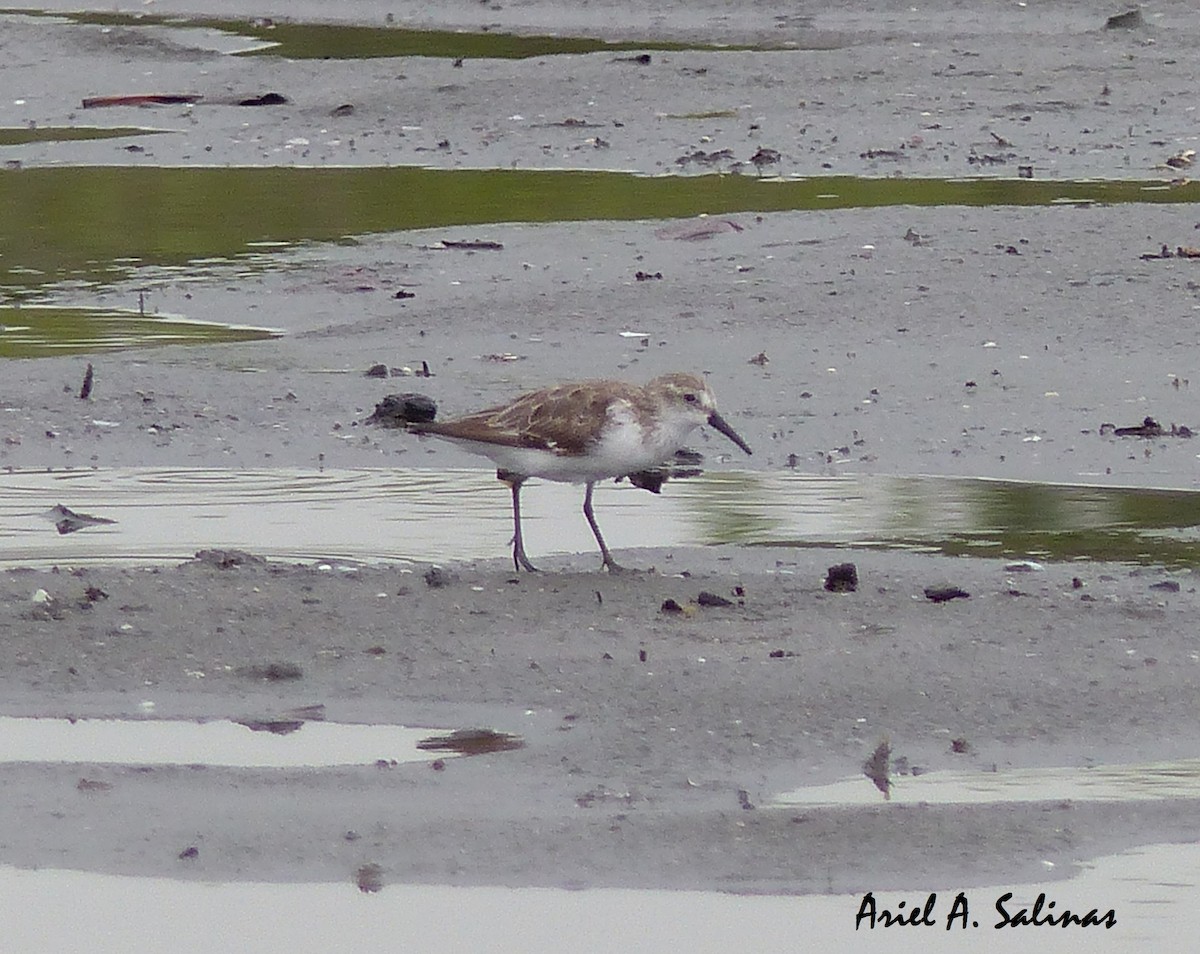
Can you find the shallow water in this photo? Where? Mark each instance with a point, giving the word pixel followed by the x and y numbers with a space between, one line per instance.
pixel 424 516
pixel 1152 891
pixel 217 742
pixel 1102 783
pixel 100 224
pixel 34 331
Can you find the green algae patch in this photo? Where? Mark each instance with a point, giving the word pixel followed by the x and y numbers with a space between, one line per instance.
pixel 100 223
pixel 34 331
pixel 353 41
pixel 23 136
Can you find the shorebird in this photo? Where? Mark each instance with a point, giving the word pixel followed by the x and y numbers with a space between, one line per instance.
pixel 582 432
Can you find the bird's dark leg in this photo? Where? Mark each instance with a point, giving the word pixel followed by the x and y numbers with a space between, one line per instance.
pixel 520 560
pixel 609 563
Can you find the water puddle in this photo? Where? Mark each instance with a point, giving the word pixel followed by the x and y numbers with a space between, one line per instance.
pixel 398 516
pixel 250 743
pixel 1153 781
pixel 341 41
pixel 100 224
pixel 35 331
pixel 1152 891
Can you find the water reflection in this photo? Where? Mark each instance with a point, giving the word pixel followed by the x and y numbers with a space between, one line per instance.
pixel 376 515
pixel 1151 889
pixel 34 331
pixel 1103 783
pixel 73 223
pixel 246 744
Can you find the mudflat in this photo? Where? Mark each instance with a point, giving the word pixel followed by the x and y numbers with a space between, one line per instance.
pixel 988 342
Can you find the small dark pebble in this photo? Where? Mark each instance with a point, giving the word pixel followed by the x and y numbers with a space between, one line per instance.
pixel 266 99
pixel 1129 20
pixel 437 577
pixel 377 371
pixel 272 672
pixel 227 559
pixel 670 606
pixel 941 594
pixel 960 746
pixel 398 410
pixel 744 800
pixel 1169 586
pixel 877 768
pixel 189 852
pixel 642 657
pixel 274 726
pixel 404 293
pixel 369 878
pixel 438 765
pixel 842 578
pixel 712 599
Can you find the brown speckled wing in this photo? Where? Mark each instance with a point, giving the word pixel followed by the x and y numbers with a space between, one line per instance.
pixel 564 419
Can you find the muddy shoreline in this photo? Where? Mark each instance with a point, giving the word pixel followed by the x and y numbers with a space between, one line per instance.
pixel 995 344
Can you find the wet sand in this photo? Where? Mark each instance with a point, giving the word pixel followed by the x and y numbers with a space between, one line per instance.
pixel 984 342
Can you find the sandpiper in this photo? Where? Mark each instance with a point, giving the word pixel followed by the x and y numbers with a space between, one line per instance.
pixel 580 433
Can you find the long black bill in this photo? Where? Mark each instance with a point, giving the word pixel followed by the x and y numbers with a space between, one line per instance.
pixel 719 423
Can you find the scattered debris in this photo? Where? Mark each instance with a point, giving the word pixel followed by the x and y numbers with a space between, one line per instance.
pixel 670 606
pixel 712 599
pixel 696 230
pixel 470 245
pixel 705 158
pixel 877 768
pixel 943 594
pixel 1149 428
pixel 188 853
pixel 398 410
pixel 759 359
pixel 66 520
pixel 960 746
pixel 437 577
pixel 227 559
pixel 764 157
pixel 1129 20
pixel 346 109
pixel 272 671
pixel 369 878
pixel 376 371
pixel 842 578
pixel 1024 566
pixel 472 742
pixel 404 293
pixel 141 99
pixel 744 800
pixel 1181 160
pixel 85 391
pixel 266 99
pixel 1167 586
pixel 647 276
pixel 1181 251
pixel 274 726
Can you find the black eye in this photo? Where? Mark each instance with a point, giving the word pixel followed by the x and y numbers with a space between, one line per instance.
pixel 690 398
